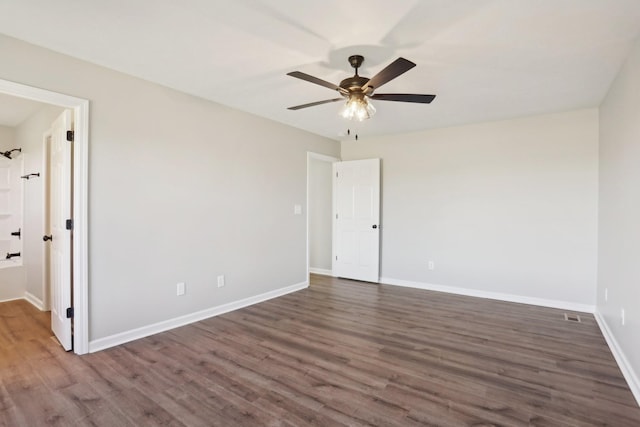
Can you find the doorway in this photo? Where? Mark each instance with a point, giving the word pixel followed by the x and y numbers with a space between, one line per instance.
pixel 357 223
pixel 320 208
pixel 78 282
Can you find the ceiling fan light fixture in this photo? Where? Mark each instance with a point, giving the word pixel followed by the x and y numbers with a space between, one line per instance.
pixel 358 90
pixel 357 108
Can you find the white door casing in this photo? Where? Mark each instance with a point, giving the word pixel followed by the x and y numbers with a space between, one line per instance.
pixel 60 209
pixel 357 219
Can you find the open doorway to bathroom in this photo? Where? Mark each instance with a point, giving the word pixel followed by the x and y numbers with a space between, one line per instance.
pixel 22 126
pixel 29 118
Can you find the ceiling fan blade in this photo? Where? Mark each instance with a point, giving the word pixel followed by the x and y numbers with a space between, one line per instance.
pixel 390 72
pixel 311 79
pixel 313 104
pixel 404 97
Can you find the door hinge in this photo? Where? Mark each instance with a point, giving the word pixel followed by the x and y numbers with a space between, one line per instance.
pixel 70 135
pixel 69 224
pixel 336 174
pixel 70 313
pixel 336 216
pixel 336 257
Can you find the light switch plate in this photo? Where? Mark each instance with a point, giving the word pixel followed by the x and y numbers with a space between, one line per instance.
pixel 180 289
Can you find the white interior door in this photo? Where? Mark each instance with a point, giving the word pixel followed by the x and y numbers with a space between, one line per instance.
pixel 59 211
pixel 358 219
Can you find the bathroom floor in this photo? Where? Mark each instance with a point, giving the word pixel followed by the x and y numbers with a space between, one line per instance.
pixel 21 322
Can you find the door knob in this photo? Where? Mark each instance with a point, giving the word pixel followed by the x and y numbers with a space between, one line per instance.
pixel 45 238
pixel 374 226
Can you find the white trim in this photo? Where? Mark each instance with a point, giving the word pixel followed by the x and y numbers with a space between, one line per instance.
pixel 322 271
pixel 145 331
pixel 81 229
pixel 564 305
pixel 35 301
pixel 626 368
pixel 322 157
pixel 332 160
pixel 80 109
pixel 37 94
pixel 11 299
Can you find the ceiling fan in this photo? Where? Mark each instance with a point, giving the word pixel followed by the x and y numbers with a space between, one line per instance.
pixel 357 90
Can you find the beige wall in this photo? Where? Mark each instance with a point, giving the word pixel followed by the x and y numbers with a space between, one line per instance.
pixel 506 207
pixel 619 246
pixel 180 189
pixel 7 137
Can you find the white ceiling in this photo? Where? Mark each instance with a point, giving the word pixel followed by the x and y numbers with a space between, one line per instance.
pixel 484 59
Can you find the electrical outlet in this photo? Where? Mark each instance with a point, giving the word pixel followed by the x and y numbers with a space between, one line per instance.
pixel 432 265
pixel 180 289
pixel 622 316
pixel 221 280
pixel 606 294
pixel 297 209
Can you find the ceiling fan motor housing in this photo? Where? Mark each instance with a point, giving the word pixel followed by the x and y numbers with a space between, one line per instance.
pixel 355 83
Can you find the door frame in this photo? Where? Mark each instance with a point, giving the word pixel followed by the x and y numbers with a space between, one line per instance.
pixel 330 159
pixel 80 243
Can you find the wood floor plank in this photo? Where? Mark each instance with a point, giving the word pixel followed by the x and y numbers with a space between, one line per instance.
pixel 340 353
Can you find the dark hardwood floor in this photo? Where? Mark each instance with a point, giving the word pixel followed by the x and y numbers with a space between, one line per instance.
pixel 338 353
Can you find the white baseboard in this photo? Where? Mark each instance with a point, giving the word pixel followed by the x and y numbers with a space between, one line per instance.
pixel 11 299
pixel 145 331
pixel 626 368
pixel 321 271
pixel 35 301
pixel 564 305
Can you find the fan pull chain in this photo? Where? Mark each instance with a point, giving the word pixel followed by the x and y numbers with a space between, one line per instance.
pixel 355 135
